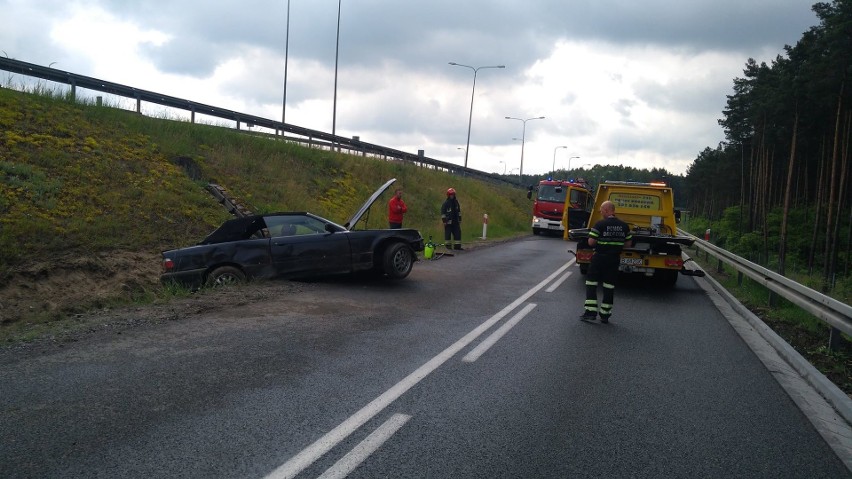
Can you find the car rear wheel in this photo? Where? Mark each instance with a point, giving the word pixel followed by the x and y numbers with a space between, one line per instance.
pixel 398 261
pixel 224 276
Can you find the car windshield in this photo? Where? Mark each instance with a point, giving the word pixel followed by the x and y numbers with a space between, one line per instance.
pixel 552 193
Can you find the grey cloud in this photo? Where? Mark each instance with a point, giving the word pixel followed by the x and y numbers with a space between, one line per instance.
pixel 382 42
pixel 706 96
pixel 422 35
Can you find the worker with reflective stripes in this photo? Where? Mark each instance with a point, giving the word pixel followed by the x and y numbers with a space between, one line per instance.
pixel 608 237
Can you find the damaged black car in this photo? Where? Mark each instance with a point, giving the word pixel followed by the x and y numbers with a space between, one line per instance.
pixel 292 245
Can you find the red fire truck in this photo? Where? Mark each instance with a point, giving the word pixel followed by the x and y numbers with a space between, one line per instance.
pixel 551 199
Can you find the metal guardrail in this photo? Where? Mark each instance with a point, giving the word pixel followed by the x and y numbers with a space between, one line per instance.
pixel 333 141
pixel 836 314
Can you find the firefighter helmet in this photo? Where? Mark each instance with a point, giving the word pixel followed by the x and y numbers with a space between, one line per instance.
pixel 451 191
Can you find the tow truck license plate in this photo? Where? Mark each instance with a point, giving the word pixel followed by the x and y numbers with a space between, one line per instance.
pixel 632 261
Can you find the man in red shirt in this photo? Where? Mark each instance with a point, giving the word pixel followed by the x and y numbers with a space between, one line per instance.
pixel 396 208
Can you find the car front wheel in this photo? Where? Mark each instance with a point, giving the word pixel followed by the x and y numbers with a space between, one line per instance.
pixel 398 261
pixel 224 276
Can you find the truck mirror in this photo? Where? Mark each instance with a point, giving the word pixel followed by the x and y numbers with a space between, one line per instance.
pixel 677 216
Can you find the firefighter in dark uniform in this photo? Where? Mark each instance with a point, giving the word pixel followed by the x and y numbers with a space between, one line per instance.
pixel 451 217
pixel 608 237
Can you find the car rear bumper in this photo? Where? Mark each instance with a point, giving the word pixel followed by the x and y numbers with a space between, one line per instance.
pixel 637 262
pixel 192 279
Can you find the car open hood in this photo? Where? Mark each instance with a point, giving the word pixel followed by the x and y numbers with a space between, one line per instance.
pixel 357 216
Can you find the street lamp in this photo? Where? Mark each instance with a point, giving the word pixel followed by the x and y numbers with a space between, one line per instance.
pixel 523 140
pixel 286 53
pixel 553 169
pixel 504 166
pixel 569 162
pixel 470 118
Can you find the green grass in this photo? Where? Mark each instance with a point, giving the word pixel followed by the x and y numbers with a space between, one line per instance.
pixel 115 179
pixel 79 179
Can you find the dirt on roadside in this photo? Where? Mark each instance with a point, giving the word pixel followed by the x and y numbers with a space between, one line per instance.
pixel 52 287
pixel 85 298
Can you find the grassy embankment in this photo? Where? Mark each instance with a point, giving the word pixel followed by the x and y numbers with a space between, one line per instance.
pixel 80 180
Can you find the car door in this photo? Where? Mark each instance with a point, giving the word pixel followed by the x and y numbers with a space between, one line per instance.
pixel 301 246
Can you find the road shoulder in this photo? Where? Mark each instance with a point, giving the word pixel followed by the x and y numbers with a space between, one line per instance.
pixel 822 402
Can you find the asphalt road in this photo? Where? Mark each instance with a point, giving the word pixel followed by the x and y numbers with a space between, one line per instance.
pixel 474 366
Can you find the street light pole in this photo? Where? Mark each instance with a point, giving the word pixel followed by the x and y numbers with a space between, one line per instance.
pixel 569 162
pixel 470 117
pixel 286 53
pixel 336 58
pixel 523 141
pixel 553 168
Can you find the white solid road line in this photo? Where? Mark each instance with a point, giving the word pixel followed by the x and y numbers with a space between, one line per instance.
pixel 496 335
pixel 362 451
pixel 310 454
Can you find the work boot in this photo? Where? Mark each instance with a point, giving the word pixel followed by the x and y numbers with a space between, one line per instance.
pixel 605 318
pixel 458 247
pixel 588 316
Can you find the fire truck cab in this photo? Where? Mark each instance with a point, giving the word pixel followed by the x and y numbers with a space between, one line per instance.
pixel 560 205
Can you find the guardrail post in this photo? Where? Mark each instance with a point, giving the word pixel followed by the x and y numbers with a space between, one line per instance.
pixel 720 268
pixel 835 339
pixel 740 278
pixel 773 299
pixel 99 100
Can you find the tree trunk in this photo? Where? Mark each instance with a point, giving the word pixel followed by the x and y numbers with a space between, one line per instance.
pixel 782 247
pixel 751 179
pixel 764 204
pixel 848 244
pixel 841 195
pixel 821 167
pixel 829 214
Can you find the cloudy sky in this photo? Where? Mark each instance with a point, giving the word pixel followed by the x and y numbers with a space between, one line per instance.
pixel 636 83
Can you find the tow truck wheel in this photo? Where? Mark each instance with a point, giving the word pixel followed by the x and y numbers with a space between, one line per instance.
pixel 584 268
pixel 536 231
pixel 666 277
